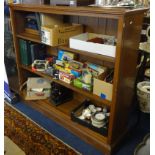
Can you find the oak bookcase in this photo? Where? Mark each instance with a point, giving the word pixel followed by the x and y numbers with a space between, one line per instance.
pixel 125 25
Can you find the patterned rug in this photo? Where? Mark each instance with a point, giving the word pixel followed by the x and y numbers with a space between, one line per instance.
pixel 30 137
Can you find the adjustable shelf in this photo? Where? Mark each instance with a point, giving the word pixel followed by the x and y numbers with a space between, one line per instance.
pixel 78 90
pixel 28 36
pixel 37 39
pixel 85 53
pixel 61 114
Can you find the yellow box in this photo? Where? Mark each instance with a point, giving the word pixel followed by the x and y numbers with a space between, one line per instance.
pixel 59 34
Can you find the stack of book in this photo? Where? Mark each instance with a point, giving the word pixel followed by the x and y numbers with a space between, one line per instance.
pixel 30 51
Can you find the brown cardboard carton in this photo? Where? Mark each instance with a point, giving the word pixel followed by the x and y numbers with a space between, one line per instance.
pixel 102 88
pixel 59 34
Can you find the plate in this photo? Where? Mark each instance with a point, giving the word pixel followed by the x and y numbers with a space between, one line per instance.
pixel 144 147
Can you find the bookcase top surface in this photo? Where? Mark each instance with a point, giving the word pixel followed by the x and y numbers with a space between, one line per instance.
pixel 76 10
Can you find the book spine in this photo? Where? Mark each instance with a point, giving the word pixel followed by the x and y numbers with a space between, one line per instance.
pixel 26 53
pixel 21 51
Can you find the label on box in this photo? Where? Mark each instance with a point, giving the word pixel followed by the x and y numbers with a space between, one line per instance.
pixel 45 37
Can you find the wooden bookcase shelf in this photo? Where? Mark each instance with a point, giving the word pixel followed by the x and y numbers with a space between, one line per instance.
pixel 78 90
pixel 125 25
pixel 37 39
pixel 61 114
pixel 93 55
pixel 28 36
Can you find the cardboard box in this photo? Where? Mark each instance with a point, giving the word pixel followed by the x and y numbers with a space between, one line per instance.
pixel 38 88
pixel 81 41
pixel 59 34
pixel 66 77
pixel 102 89
pixel 78 83
pixel 97 71
pixel 66 56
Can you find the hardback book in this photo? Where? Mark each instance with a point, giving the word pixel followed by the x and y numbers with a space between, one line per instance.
pixel 25 54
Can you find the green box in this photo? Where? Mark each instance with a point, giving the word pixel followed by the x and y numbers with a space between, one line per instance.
pixel 78 83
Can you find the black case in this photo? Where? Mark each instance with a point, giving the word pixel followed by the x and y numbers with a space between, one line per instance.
pixel 77 110
pixel 60 94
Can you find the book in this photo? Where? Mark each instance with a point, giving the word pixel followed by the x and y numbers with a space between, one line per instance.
pixel 25 54
pixel 30 51
pixel 21 50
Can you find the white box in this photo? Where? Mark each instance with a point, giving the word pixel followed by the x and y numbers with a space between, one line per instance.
pixel 80 42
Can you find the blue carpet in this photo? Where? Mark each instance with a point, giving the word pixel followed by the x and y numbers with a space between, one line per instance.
pixel 127 147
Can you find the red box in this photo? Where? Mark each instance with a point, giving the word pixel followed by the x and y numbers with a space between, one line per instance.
pixel 66 77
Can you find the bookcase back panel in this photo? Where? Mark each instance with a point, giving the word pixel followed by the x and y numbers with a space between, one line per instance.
pixel 83 58
pixel 26 74
pixel 20 21
pixel 91 24
pixel 80 98
pixel 51 50
pixel 95 25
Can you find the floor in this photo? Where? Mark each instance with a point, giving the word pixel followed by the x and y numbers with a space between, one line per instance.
pixel 128 145
pixel 10 148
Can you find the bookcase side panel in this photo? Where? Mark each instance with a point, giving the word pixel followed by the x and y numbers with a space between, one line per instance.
pixel 126 76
